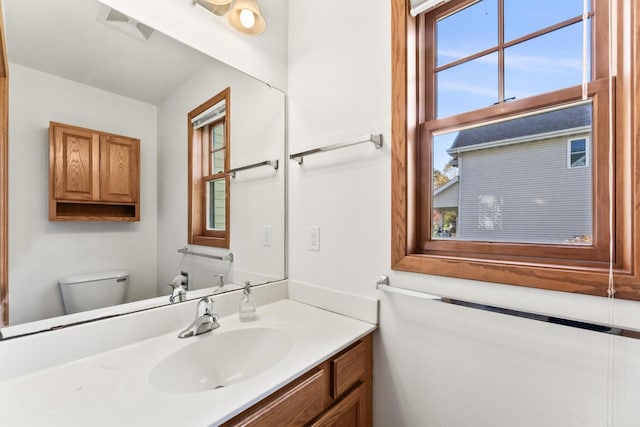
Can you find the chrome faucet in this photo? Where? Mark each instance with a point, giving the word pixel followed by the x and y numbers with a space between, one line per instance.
pixel 178 292
pixel 206 320
pixel 179 289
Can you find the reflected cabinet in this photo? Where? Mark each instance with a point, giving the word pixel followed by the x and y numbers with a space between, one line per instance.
pixel 93 175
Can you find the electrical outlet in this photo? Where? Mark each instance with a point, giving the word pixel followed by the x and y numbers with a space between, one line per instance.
pixel 266 235
pixel 314 238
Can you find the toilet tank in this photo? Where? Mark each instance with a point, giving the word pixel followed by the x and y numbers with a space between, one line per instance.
pixel 96 290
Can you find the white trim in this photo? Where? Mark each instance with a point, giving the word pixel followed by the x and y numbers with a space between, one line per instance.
pixel 587 148
pixel 210 115
pixel 421 6
pixel 521 139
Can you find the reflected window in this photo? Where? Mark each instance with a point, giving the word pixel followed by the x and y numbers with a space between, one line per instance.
pixel 209 178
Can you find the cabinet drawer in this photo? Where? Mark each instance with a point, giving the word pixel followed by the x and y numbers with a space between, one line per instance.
pixel 293 407
pixel 348 411
pixel 347 368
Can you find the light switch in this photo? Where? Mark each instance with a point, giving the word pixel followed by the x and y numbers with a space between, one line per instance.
pixel 314 238
pixel 266 235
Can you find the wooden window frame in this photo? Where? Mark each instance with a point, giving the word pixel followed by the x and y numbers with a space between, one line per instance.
pixel 571 269
pixel 200 160
pixel 4 177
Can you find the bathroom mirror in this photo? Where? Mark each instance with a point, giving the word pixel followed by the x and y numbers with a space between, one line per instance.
pixel 80 63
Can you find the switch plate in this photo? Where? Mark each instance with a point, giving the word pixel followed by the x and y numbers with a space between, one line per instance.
pixel 266 236
pixel 314 238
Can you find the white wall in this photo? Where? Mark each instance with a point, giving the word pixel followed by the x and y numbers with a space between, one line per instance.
pixel 434 365
pixel 43 252
pixel 256 197
pixel 264 56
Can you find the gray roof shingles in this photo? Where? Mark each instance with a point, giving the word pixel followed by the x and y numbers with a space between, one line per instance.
pixel 566 118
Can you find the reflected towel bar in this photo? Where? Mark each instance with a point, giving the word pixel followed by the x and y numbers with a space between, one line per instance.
pixel 383 285
pixel 186 251
pixel 376 139
pixel 272 163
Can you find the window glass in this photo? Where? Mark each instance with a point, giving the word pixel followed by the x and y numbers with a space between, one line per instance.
pixel 218 150
pixel 468 86
pixel 508 181
pixel 524 17
pixel 472 29
pixel 545 63
pixel 216 201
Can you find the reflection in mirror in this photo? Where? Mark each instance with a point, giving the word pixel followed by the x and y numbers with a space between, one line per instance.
pixel 527 179
pixel 86 66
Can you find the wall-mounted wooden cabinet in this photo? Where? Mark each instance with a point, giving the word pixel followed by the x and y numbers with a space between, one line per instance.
pixel 93 175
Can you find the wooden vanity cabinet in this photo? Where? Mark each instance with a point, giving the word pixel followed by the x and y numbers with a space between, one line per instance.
pixel 335 393
pixel 93 175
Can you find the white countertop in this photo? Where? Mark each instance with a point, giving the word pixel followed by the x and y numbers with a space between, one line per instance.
pixel 112 388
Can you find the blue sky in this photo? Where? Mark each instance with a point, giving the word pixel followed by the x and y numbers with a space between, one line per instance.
pixel 547 63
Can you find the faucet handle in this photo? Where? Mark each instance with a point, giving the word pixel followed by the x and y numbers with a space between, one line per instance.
pixel 205 307
pixel 219 278
pixel 176 286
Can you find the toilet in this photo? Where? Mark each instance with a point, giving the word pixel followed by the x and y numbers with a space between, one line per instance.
pixel 91 291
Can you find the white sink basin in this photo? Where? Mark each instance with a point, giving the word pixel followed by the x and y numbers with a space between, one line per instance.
pixel 220 359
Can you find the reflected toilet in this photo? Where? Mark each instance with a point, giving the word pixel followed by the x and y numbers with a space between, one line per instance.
pixel 96 290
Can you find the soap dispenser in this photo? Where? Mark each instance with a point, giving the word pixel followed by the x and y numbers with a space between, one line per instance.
pixel 247 308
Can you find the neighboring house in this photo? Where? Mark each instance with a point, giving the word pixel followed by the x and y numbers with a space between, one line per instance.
pixel 522 180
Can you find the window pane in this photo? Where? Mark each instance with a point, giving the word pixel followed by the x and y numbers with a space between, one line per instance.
pixel 522 17
pixel 216 204
pixel 578 145
pixel 217 162
pixel 578 159
pixel 471 30
pixel 509 181
pixel 468 86
pixel 545 63
pixel 217 136
pixel 445 188
pixel 217 148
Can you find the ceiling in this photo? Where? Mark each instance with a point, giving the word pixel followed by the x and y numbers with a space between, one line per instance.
pixel 65 38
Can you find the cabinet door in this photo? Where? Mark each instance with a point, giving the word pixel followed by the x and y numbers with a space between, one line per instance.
pixel 346 412
pixel 120 177
pixel 76 160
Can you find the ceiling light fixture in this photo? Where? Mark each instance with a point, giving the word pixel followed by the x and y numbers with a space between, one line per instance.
pixel 244 15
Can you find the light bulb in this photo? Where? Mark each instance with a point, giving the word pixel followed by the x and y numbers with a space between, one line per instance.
pixel 247 18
